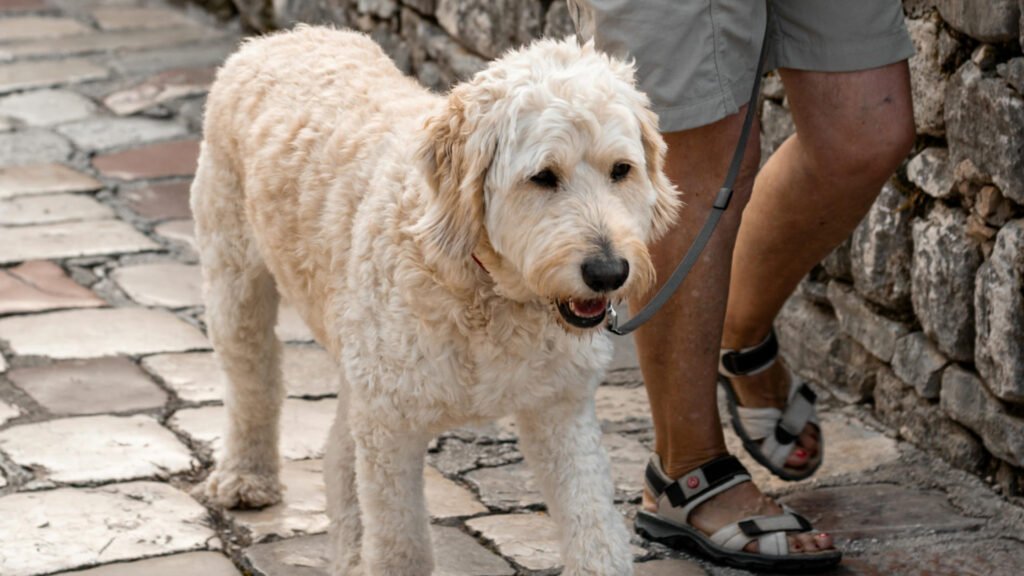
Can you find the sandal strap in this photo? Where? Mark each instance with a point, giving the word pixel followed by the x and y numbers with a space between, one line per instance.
pixel 749 361
pixel 696 486
pixel 769 531
pixel 778 430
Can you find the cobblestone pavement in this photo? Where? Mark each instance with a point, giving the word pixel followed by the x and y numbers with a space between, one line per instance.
pixel 110 404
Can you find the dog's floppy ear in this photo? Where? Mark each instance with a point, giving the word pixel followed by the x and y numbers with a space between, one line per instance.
pixel 456 155
pixel 666 202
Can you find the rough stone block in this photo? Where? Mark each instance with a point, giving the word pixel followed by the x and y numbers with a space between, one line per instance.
pixel 985 20
pixel 557 22
pixel 942 278
pixel 489 28
pixel 924 424
pixel 928 81
pixel 966 400
pixel 1013 72
pixel 983 116
pixel 999 315
pixel 776 125
pixel 919 363
pixel 930 171
pixel 813 346
pixel 882 250
pixel 837 263
pixel 992 206
pixel 875 332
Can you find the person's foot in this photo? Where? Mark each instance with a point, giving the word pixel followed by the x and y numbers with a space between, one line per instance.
pixel 770 389
pixel 739 502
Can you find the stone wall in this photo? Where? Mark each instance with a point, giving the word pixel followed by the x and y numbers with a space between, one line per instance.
pixel 921 312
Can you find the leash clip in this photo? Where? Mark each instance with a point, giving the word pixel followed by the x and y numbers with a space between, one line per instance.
pixel 613 319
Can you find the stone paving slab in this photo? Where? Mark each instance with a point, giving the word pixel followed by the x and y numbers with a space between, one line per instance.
pixel 302 511
pixel 96 333
pixel 304 426
pixel 32 146
pixel 47 107
pixel 447 500
pixel 290 326
pixel 90 43
pixel 188 564
pixel 48 531
pixel 24 75
pixel 71 239
pixel 78 387
pixel 308 372
pixel 161 88
pixel 177 158
pixel 159 200
pixel 38 286
pixel 127 17
pixel 998 557
pixel 8 412
pixel 92 449
pixel 668 567
pixel 33 27
pixel 44 179
pixel 170 285
pixel 107 133
pixel 51 209
pixel 531 540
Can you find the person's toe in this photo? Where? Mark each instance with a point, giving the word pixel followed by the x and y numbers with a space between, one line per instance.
pixel 806 541
pixel 824 541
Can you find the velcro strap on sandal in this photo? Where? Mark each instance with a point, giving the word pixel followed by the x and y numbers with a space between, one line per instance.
pixel 749 361
pixel 698 482
pixel 789 522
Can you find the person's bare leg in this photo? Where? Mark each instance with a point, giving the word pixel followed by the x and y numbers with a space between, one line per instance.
pixel 678 348
pixel 853 130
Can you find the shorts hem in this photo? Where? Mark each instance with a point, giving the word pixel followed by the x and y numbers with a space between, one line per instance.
pixel 707 111
pixel 842 57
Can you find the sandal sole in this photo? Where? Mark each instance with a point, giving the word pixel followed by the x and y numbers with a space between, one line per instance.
pixel 691 540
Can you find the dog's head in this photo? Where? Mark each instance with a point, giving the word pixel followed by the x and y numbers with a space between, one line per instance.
pixel 548 167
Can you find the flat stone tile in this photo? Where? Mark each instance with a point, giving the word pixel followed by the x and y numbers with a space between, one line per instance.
pixel 97 333
pixel 506 488
pixel 180 231
pixel 196 377
pixel 71 239
pixel 47 107
pixel 166 284
pixel 455 554
pixel 161 160
pixel 446 499
pixel 850 448
pixel 629 462
pixel 3 363
pixel 621 404
pixel 290 326
pixel 33 27
pixel 878 511
pixel 107 133
pixel 44 179
pixel 97 449
pixel 6 124
pixel 38 286
pixel 302 510
pixel 25 75
pixel 209 53
pixel 992 557
pixel 89 386
pixel 304 426
pixel 163 87
pixel 33 146
pixel 8 412
pixel 53 530
pixel 159 200
pixel 531 540
pixel 125 17
pixel 50 209
pixel 188 564
pixel 107 42
pixel 9 6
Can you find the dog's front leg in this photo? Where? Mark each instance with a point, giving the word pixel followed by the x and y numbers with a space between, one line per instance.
pixel 562 443
pixel 389 480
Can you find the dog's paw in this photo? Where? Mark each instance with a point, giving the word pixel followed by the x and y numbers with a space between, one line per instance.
pixel 231 489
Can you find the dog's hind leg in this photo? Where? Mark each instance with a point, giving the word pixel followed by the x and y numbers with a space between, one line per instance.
pixel 346 528
pixel 241 310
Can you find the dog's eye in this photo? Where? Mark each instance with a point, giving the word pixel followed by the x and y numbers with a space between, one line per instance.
pixel 545 179
pixel 620 171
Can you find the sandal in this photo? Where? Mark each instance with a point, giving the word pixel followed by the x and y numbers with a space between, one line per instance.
pixel 769 435
pixel 677 498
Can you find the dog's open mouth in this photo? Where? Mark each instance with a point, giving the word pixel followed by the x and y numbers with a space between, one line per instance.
pixel 583 313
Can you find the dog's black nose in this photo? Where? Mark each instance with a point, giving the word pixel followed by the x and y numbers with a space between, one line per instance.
pixel 604 273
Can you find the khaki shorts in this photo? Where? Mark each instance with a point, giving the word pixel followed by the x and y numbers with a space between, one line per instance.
pixel 696 59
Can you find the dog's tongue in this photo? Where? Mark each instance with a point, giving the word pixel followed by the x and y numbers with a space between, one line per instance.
pixel 588 308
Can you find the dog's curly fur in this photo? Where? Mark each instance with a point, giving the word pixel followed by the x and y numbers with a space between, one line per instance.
pixel 328 177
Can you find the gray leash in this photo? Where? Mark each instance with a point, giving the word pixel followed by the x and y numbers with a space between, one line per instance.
pixel 721 203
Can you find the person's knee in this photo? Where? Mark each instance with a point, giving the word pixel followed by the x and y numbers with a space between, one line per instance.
pixel 861 156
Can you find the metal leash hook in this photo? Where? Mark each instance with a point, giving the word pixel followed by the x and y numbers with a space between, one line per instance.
pixel 706 231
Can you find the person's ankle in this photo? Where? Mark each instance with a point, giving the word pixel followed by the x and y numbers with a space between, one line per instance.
pixel 742 337
pixel 677 466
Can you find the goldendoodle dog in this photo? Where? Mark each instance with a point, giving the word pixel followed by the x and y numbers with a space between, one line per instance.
pixel 454 254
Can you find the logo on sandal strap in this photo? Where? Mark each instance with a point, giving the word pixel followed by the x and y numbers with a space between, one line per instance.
pixel 692 482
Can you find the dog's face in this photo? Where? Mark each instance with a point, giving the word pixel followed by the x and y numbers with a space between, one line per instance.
pixel 548 166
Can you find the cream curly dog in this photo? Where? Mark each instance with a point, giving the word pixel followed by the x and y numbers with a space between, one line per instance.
pixel 454 254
